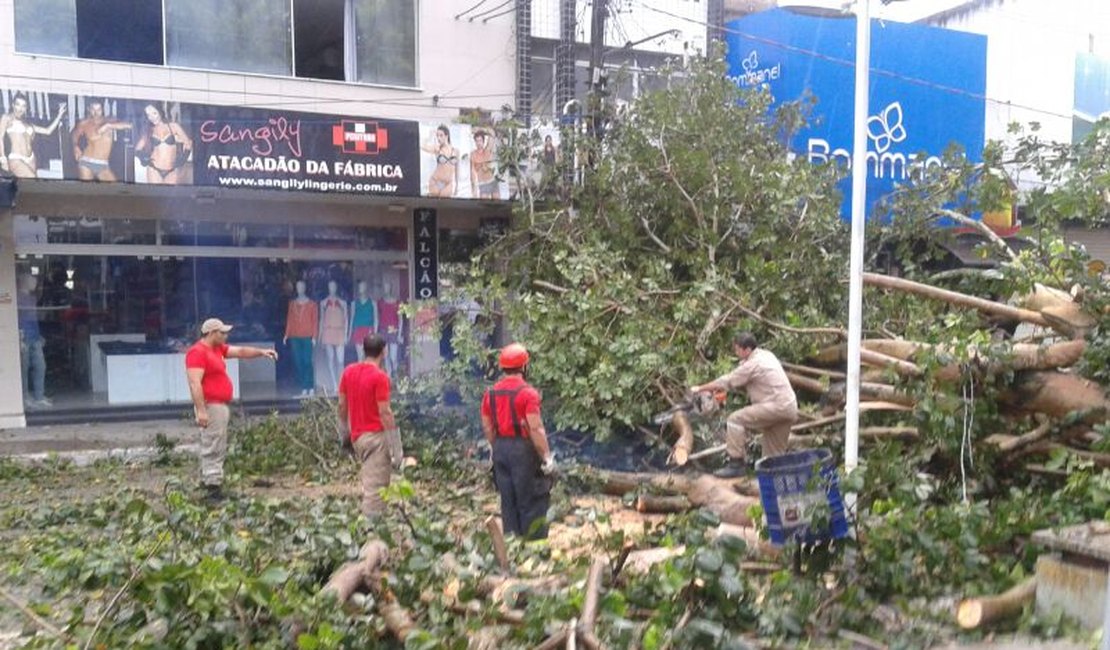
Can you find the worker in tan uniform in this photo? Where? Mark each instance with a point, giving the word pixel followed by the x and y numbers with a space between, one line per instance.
pixel 773 408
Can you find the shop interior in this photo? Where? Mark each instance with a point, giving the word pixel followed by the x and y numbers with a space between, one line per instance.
pixel 116 302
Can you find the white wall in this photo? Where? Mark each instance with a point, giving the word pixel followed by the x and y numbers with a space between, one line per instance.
pixel 1031 50
pixel 465 64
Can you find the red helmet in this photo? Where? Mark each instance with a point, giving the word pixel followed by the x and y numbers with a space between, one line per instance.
pixel 513 356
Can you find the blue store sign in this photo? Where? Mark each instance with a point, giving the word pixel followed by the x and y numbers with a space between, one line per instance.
pixel 927 89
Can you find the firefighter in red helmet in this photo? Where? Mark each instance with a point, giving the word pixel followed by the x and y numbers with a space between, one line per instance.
pixel 522 461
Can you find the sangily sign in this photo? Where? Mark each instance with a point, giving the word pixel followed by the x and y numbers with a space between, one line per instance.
pixel 254 148
pixel 426 253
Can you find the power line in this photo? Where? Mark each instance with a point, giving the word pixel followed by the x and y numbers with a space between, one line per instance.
pixel 389 101
pixel 851 64
pixel 480 3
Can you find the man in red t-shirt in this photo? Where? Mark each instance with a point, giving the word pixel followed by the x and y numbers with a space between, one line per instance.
pixel 211 390
pixel 522 461
pixel 366 417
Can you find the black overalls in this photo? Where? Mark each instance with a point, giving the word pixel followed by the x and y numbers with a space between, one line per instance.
pixel 525 491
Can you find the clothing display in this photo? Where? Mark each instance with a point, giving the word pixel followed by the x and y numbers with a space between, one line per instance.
pixel 301 349
pixel 302 319
pixel 364 320
pixel 333 330
pixel 389 320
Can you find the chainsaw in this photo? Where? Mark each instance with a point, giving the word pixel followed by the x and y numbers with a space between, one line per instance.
pixel 702 403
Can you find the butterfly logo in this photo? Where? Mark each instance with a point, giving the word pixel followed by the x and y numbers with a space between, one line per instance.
pixel 750 63
pixel 886 128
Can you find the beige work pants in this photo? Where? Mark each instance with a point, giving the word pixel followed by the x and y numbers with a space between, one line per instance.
pixel 372 450
pixel 213 445
pixel 771 420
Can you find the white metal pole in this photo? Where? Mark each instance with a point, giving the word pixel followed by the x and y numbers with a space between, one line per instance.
pixel 859 217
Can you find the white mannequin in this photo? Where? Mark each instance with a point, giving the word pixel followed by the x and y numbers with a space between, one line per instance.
pixel 389 322
pixel 335 324
pixel 364 314
pixel 302 357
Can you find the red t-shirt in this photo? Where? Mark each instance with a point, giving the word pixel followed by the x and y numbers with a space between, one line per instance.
pixel 215 383
pixel 527 402
pixel 365 385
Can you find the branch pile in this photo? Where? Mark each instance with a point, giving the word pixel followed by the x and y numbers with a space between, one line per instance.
pixel 1045 403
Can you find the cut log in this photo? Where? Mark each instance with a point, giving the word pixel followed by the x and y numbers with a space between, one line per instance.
pixel 897 348
pixel 974 613
pixel 356 576
pixel 808 370
pixel 640 561
pixel 989 307
pixel 1060 310
pixel 807 384
pixel 654 504
pixel 397 619
pixel 685 443
pixel 556 640
pixel 718 495
pixel 903 368
pixel 1056 394
pixel 749 534
pixel 1007 444
pixel 498 537
pixel 590 603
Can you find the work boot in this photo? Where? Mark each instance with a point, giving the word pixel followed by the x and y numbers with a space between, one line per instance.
pixel 735 468
pixel 213 495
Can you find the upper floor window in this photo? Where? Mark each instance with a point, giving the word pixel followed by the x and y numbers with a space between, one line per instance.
pixel 369 41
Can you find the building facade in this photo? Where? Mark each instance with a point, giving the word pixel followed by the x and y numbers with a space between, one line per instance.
pixel 1048 63
pixel 297 168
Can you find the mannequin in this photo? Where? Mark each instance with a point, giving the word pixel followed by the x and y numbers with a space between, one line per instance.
pixel 389 325
pixel 364 318
pixel 32 359
pixel 334 332
pixel 300 331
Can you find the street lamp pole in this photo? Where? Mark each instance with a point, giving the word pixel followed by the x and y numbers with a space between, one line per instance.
pixel 859 219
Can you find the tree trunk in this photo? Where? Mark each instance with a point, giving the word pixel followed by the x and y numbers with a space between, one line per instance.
pixel 976 612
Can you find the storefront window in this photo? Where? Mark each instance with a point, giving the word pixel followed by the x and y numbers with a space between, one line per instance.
pixel 114 327
pixel 350 237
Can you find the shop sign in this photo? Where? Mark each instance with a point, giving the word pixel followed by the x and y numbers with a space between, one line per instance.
pixel 250 148
pixel 106 139
pixel 927 89
pixel 426 252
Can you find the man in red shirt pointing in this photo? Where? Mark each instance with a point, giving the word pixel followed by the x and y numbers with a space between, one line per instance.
pixel 211 390
pixel 366 416
pixel 522 461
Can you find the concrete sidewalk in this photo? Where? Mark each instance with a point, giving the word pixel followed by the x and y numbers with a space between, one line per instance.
pixel 84 443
